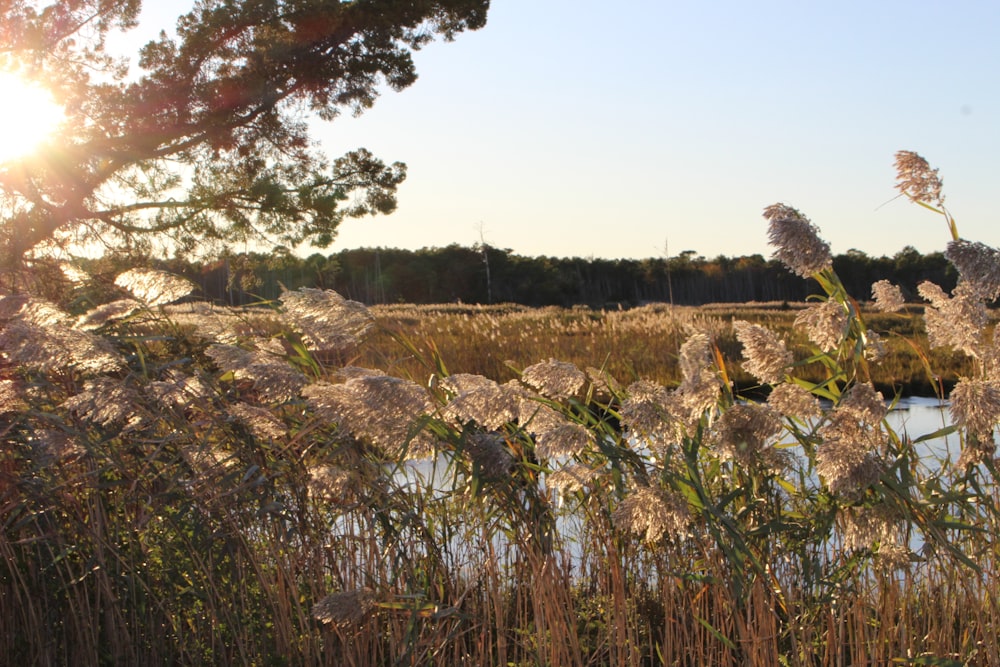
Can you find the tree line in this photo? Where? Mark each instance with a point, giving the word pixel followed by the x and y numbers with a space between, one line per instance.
pixel 483 274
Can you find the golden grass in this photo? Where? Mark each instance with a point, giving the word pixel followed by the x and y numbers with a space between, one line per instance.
pixel 498 341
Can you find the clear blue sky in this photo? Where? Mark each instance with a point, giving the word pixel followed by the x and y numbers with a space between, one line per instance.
pixel 616 129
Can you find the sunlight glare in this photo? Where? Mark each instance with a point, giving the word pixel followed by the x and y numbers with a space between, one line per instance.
pixel 28 116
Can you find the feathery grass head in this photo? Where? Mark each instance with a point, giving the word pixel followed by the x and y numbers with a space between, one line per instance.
pixel 876 528
pixel 825 323
pixel 332 483
pixel 957 321
pixel 264 425
pixel 107 402
pixel 652 413
pixel 566 439
pixel 978 265
pixel 272 377
pixel 345 608
pixel 791 400
pixel 745 434
pixel 797 242
pixel 490 454
pixel 916 179
pixel 975 406
pixel 851 441
pixel 327 320
pixel 652 513
pixel 888 297
pixel 863 403
pixel 179 390
pixel 764 354
pixel 571 478
pixel 555 379
pixel 153 287
pixel 379 409
pixel 481 400
pixel 97 317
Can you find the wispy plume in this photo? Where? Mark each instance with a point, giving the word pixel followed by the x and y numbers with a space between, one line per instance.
pixel 877 529
pixel 490 453
pixel 379 409
pixel 652 413
pixel 764 354
pixel 791 400
pixel 825 323
pixel 978 265
pixel 975 406
pixel 107 402
pixel 888 297
pixel 797 242
pixel 848 456
pixel 571 478
pixel 746 434
pixel 916 179
pixel 652 513
pixel 481 400
pixel 261 421
pixel 273 378
pixel 56 347
pixel 327 320
pixel 957 321
pixel 345 608
pixel 332 483
pixel 154 288
pixel 567 439
pixel 555 379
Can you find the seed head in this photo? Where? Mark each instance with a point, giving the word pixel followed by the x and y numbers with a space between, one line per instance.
pixel 975 406
pixel 791 400
pixel 916 179
pixel 481 400
pixel 327 320
pixel 977 264
pixel 380 409
pixel 570 478
pixel 97 317
pixel 107 402
pixel 745 433
pixel 261 422
pixel 864 404
pixel 652 513
pixel 765 355
pixel 888 297
pixel 331 483
pixel 346 608
pixel 490 453
pixel 653 413
pixel 876 529
pixel 55 347
pixel 825 323
pixel 566 439
pixel 154 288
pixel 846 456
pixel 957 321
pixel 797 242
pixel 271 376
pixel 555 379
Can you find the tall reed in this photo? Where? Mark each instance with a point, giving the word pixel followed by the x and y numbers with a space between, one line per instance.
pixel 188 484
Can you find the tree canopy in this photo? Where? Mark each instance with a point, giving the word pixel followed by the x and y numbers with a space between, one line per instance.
pixel 204 138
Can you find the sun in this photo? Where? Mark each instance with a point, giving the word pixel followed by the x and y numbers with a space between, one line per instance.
pixel 28 116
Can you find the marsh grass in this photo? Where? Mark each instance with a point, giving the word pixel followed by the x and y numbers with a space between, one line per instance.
pixel 497 341
pixel 185 484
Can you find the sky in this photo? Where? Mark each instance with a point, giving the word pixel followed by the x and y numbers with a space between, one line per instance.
pixel 647 128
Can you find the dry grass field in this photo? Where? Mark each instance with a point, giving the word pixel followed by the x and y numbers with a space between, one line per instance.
pixel 641 343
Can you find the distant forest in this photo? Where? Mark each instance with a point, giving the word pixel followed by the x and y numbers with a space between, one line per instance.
pixel 482 274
